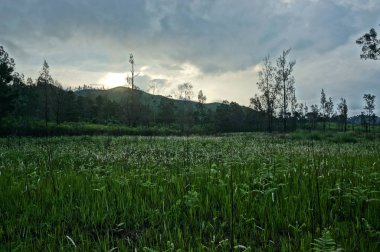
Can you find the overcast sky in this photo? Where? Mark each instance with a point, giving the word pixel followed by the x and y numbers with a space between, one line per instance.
pixel 217 45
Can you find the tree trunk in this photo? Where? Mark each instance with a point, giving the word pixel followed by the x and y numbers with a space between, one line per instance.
pixel 46 107
pixel 284 109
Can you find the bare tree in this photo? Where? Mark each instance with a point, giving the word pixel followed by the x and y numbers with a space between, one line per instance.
pixel 185 91
pixel 286 81
pixel 343 112
pixel 155 86
pixel 131 79
pixel 133 102
pixel 269 89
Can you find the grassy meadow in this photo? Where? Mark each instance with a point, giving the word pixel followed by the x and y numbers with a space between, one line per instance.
pixel 241 192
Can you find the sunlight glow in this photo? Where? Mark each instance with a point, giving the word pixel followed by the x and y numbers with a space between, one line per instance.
pixel 111 80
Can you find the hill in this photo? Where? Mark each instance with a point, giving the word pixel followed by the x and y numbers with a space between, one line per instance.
pixel 120 94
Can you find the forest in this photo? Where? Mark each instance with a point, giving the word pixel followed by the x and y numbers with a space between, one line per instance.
pixel 43 106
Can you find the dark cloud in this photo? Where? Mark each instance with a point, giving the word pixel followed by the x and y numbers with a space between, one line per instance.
pixel 220 38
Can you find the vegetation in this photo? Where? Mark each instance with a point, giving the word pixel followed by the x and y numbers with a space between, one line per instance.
pixel 250 192
pixel 305 189
pixel 25 104
pixel 370 45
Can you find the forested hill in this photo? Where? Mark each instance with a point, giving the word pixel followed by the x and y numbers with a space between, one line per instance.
pixel 32 107
pixel 135 107
pixel 121 94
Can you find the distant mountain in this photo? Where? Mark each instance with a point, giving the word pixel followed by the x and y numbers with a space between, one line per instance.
pixel 357 119
pixel 119 94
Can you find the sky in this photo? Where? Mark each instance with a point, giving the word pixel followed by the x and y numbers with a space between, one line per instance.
pixel 216 45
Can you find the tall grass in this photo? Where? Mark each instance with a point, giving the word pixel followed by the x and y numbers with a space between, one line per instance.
pixel 244 191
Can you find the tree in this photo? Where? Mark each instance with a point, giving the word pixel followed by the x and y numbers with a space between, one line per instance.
pixel 133 105
pixel 185 112
pixel 44 81
pixel 363 121
pixel 256 103
pixel 313 116
pixel 323 108
pixel 300 113
pixel 201 114
pixel 58 101
pixel 369 107
pixel 185 91
pixel 293 107
pixel 269 89
pixel 7 66
pixel 286 81
pixel 370 45
pixel 229 117
pixel 167 111
pixel 152 89
pixel 131 80
pixel 201 98
pixel 329 109
pixel 343 112
pixel 29 81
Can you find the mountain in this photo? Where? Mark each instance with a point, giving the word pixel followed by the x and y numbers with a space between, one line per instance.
pixel 120 94
pixel 358 120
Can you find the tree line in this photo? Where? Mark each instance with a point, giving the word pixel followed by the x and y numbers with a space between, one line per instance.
pixel 25 103
pixel 277 100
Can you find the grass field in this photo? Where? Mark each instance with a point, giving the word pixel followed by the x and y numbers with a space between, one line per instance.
pixel 248 192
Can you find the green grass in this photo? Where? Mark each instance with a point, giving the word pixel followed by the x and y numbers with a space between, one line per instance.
pixel 37 128
pixel 254 192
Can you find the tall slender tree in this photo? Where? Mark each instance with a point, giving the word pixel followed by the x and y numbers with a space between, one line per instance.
pixel 293 107
pixel 133 102
pixel 369 107
pixel 185 112
pixel 269 89
pixel 329 110
pixel 323 108
pixel 154 88
pixel 201 113
pixel 131 79
pixel 343 112
pixel 45 80
pixel 286 81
